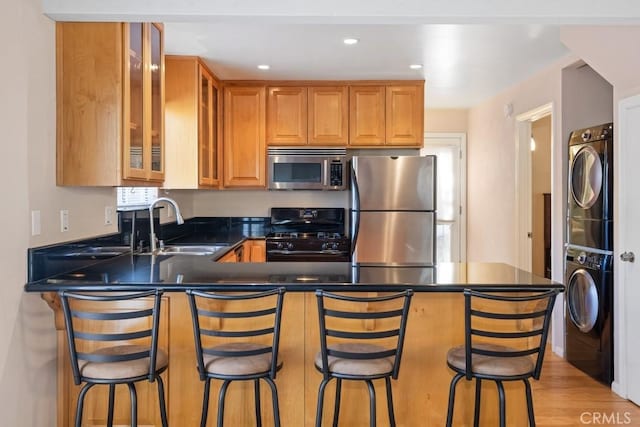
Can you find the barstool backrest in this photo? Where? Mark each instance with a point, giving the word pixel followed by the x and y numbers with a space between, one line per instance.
pixel 353 319
pixel 96 321
pixel 224 318
pixel 516 320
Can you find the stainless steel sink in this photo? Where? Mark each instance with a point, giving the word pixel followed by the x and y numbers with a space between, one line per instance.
pixel 188 250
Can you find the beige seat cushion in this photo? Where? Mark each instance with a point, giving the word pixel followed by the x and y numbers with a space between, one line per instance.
pixel 363 367
pixel 244 365
pixel 490 365
pixel 121 370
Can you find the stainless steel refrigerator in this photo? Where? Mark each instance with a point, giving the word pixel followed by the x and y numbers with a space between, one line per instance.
pixel 393 210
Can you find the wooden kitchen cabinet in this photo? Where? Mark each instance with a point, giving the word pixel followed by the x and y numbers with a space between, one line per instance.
pixel 287 115
pixel 405 115
pixel 244 149
pixel 255 250
pixel 367 115
pixel 110 104
pixel 193 105
pixel 328 115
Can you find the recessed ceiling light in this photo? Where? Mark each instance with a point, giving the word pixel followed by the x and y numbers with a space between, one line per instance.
pixel 263 67
pixel 350 41
pixel 415 66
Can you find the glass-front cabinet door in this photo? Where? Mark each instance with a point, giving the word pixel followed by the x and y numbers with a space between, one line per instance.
pixel 156 72
pixel 208 130
pixel 144 100
pixel 134 157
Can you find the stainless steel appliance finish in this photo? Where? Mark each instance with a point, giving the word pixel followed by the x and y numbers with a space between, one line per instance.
pixel 393 210
pixel 590 204
pixel 308 234
pixel 589 312
pixel 307 168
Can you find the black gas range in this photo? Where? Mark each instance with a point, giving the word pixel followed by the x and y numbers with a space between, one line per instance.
pixel 308 234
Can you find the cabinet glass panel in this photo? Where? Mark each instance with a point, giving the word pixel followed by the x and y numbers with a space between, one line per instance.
pixel 205 132
pixel 214 132
pixel 156 98
pixel 136 155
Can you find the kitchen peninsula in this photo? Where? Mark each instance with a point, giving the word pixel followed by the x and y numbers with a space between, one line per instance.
pixel 435 324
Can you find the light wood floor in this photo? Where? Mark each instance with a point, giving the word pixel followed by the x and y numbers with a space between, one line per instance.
pixel 565 396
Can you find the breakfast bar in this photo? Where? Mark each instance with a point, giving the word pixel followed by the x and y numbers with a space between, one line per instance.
pixel 435 324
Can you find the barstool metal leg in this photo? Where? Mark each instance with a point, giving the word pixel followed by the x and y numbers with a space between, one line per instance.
pixel 274 397
pixel 256 392
pixel 476 409
pixel 223 394
pixel 134 404
pixel 80 404
pixel 372 403
pixel 323 385
pixel 112 398
pixel 452 397
pixel 532 418
pixel 392 417
pixel 501 398
pixel 205 402
pixel 336 408
pixel 163 406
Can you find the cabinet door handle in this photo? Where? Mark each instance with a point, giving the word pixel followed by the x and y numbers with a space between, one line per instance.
pixel 627 256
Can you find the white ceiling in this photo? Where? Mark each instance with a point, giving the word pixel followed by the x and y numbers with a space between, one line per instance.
pixel 463 64
pixel 470 49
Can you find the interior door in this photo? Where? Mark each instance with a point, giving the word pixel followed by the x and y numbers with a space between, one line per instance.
pixel 627 275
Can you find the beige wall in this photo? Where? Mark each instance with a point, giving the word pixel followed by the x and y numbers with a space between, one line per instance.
pixel 446 120
pixel 27 340
pixel 491 167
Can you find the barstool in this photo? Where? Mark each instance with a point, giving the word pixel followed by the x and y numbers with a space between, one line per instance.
pixel 93 320
pixel 237 350
pixel 498 319
pixel 351 355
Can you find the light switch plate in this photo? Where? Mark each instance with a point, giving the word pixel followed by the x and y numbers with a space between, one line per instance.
pixel 108 215
pixel 64 220
pixel 35 223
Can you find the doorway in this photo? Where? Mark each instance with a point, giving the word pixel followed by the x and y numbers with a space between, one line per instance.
pixel 451 224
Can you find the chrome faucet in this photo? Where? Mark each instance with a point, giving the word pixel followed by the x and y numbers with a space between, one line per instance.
pixel 152 234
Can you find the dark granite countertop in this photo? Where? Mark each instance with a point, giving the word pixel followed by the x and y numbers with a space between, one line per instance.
pixel 179 272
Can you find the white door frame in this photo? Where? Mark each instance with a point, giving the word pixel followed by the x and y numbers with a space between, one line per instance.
pixel 459 139
pixel 523 181
pixel 622 334
pixel 523 209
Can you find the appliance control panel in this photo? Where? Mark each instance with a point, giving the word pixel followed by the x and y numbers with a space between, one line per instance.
pixel 336 172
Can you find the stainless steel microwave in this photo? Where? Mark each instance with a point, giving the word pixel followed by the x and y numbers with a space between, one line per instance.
pixel 307 168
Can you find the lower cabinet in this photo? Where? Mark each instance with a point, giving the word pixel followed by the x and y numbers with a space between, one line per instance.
pixel 255 251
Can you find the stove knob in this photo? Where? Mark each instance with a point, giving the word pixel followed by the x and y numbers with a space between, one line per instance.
pixel 279 245
pixel 289 246
pixel 324 246
pixel 334 246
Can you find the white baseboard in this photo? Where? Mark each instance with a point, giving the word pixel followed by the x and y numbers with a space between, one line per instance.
pixel 618 389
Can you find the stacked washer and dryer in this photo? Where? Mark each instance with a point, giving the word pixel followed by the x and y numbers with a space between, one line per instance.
pixel 589 252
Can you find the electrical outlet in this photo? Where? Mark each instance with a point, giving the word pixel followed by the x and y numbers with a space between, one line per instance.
pixel 35 223
pixel 108 215
pixel 64 220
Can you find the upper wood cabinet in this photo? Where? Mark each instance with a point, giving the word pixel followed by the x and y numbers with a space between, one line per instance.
pixel 244 149
pixel 110 104
pixel 405 115
pixel 367 115
pixel 192 104
pixel 328 109
pixel 287 115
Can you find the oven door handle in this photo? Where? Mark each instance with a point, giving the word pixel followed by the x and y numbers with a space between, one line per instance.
pixel 325 252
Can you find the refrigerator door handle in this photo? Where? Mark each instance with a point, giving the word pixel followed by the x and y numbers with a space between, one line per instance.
pixel 355 228
pixel 355 211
